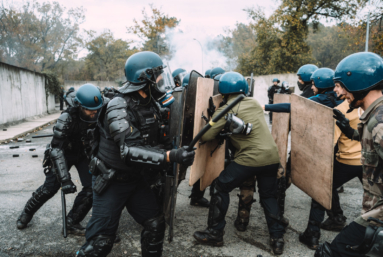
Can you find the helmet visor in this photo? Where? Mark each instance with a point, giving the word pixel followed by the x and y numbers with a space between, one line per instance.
pixel 164 80
pixel 178 79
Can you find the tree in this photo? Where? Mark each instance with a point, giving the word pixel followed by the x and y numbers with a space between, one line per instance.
pixel 39 36
pixel 281 39
pixel 107 56
pixel 152 28
pixel 329 45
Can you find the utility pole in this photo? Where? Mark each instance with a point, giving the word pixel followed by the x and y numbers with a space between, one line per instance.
pixel 368 25
pixel 201 52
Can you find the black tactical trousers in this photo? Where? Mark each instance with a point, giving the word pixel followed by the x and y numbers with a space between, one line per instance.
pixel 235 174
pixel 271 113
pixel 51 183
pixel 352 235
pixel 134 194
pixel 341 175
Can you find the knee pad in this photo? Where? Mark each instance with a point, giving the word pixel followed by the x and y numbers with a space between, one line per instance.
pixel 323 250
pixel 81 208
pixel 100 245
pixel 152 236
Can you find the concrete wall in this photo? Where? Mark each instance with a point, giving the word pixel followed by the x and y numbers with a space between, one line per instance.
pixel 22 94
pixel 262 83
pixel 76 84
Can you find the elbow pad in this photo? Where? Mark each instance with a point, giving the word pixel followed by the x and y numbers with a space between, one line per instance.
pixel 59 164
pixel 237 126
pixel 146 156
pixel 60 130
pixel 116 115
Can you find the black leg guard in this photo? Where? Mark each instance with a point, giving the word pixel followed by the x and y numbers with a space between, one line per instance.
pixel 243 216
pixel 323 250
pixel 81 207
pixel 152 237
pixel 215 212
pixel 41 196
pixel 99 246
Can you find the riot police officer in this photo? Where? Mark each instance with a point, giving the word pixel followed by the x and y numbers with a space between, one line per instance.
pixel 256 154
pixel 129 129
pixel 216 71
pixel 361 76
pixel 284 89
pixel 69 147
pixel 270 93
pixel 178 76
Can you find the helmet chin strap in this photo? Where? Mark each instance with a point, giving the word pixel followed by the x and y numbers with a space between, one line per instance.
pixel 357 97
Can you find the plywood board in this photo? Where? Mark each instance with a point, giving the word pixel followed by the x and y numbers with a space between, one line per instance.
pixel 280 129
pixel 215 163
pixel 312 151
pixel 203 161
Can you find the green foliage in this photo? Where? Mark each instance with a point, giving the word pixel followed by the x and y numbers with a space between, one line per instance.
pixel 52 83
pixel 107 56
pixel 152 28
pixel 281 45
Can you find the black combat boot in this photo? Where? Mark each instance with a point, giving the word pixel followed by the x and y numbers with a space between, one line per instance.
pixel 81 207
pixel 202 201
pixel 211 236
pixel 277 245
pixel 41 196
pixel 243 215
pixel 196 197
pixel 334 223
pixel 310 238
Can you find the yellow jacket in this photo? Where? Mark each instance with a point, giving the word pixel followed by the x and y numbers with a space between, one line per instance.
pixel 349 150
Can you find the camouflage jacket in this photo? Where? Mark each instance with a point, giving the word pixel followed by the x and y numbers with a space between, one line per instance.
pixel 371 133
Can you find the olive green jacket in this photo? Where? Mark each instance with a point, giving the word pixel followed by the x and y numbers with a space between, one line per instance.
pixel 255 150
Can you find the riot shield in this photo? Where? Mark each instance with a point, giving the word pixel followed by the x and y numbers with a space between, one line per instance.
pixel 171 181
pixel 312 149
pixel 280 129
pixel 215 89
pixel 190 103
pixel 207 165
pixel 250 82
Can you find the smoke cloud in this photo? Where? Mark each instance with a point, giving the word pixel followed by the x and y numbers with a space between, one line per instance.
pixel 186 52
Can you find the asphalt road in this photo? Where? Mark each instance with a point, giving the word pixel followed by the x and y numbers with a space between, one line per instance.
pixel 20 176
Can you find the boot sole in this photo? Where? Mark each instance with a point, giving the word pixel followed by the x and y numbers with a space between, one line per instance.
pixel 218 244
pixel 333 228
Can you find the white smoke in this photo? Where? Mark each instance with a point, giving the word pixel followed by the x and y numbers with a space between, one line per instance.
pixel 186 52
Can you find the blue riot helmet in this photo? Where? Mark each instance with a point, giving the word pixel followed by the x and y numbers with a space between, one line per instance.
pixel 214 72
pixel 323 78
pixel 146 71
pixel 285 85
pixel 207 73
pixel 185 81
pixel 306 71
pixel 89 100
pixel 218 77
pixel 178 76
pixel 360 73
pixel 276 80
pixel 232 83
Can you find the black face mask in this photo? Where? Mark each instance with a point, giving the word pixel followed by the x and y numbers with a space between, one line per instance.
pixel 301 86
pixel 87 118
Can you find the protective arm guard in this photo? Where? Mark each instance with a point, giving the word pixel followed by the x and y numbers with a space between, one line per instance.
pixel 146 156
pixel 59 164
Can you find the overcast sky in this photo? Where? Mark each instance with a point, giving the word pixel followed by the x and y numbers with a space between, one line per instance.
pixel 211 16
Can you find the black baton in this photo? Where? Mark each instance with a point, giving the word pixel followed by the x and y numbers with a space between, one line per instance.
pixel 49 135
pixel 63 212
pixel 214 120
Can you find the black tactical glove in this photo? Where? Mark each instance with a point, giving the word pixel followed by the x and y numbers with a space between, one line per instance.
pixel 343 123
pixel 68 187
pixel 182 156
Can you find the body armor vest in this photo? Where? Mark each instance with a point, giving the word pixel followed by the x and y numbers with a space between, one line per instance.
pixel 145 130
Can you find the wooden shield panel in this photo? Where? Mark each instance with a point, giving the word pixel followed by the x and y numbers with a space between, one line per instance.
pixel 203 161
pixel 312 149
pixel 280 129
